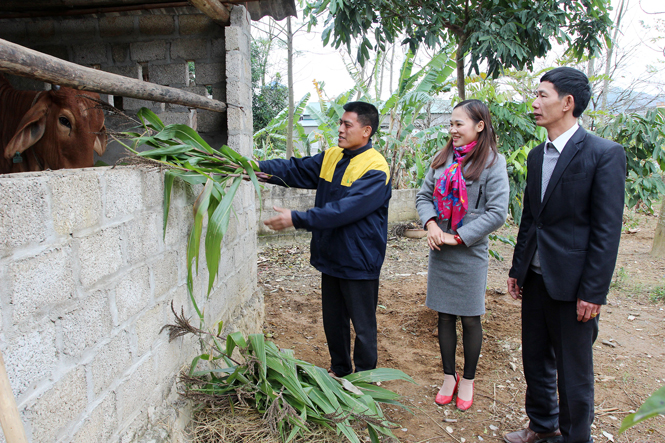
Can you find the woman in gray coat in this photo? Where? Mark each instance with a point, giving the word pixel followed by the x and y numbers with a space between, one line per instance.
pixel 463 199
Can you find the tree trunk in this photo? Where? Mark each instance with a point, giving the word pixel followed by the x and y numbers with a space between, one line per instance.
pixel 392 66
pixel 610 52
pixel 289 130
pixel 459 62
pixel 658 247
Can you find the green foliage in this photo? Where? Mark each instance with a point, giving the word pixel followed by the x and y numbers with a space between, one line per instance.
pixel 189 158
pixel 269 97
pixel 271 139
pixel 643 138
pixel 652 407
pixel 501 33
pixel 289 392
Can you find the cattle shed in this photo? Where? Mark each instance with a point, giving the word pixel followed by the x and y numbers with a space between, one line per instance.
pixel 88 274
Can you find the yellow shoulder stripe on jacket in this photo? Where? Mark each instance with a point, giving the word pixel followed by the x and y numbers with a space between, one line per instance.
pixel 330 159
pixel 360 164
pixel 369 160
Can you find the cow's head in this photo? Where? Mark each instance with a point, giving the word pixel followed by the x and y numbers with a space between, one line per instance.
pixel 63 127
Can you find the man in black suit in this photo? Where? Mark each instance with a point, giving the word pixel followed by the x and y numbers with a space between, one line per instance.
pixel 564 259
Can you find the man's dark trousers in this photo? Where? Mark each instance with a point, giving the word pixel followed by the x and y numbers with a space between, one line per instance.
pixel 553 340
pixel 350 300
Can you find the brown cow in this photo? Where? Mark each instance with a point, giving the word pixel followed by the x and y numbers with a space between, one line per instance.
pixel 49 129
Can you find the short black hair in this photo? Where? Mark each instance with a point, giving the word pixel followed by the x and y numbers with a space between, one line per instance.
pixel 570 81
pixel 368 115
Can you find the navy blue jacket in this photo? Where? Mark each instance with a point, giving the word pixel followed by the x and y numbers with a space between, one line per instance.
pixel 349 222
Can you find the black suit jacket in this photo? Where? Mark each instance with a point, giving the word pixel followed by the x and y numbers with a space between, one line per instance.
pixel 577 226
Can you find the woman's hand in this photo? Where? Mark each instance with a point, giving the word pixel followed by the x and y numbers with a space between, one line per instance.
pixel 435 236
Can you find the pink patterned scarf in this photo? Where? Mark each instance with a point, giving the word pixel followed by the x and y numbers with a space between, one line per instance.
pixel 450 189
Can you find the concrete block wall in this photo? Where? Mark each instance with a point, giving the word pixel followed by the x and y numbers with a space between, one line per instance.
pixel 154 45
pixel 402 209
pixel 88 281
pixel 88 275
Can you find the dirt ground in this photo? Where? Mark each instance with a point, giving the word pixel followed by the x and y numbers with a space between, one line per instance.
pixel 629 354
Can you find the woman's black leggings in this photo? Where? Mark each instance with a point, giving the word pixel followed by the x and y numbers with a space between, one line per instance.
pixel 472 338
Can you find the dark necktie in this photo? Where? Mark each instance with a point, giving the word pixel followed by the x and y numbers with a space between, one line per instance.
pixel 549 162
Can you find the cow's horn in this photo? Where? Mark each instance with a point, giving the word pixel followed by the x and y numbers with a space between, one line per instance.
pixel 55 87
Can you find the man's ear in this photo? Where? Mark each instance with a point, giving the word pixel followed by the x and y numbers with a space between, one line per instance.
pixel 30 129
pixel 568 103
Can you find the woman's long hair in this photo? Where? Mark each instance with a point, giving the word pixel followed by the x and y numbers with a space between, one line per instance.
pixel 476 159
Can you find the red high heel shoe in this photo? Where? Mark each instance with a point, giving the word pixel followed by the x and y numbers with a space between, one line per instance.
pixel 463 405
pixel 445 399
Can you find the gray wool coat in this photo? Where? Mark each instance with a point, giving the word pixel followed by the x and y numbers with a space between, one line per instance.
pixel 457 275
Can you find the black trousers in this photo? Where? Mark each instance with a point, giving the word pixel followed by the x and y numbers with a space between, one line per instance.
pixel 556 345
pixel 344 301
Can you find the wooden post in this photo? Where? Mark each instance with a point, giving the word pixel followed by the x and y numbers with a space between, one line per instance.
pixel 9 416
pixel 24 62
pixel 213 9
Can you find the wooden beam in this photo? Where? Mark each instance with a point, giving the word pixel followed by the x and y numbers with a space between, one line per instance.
pixel 213 9
pixel 24 62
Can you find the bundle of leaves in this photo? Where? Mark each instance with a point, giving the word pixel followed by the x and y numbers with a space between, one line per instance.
pixel 290 393
pixel 185 155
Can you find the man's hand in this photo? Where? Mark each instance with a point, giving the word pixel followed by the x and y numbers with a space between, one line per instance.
pixel 514 290
pixel 586 310
pixel 281 221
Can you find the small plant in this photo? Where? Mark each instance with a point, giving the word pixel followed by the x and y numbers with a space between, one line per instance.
pixel 290 393
pixel 652 407
pixel 620 277
pixel 657 294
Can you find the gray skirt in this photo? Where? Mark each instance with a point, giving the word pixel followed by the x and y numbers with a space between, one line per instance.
pixel 457 279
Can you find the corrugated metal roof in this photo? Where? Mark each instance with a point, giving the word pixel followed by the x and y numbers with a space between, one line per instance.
pixel 277 9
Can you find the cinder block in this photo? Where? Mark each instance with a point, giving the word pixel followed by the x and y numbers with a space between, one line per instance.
pixel 40 282
pixel 157 24
pixel 198 24
pixel 148 51
pixel 137 392
pixel 210 121
pixel 122 193
pixel 218 50
pixel 31 358
pixel 242 143
pixel 179 224
pixel 153 190
pixel 143 236
pixel 78 29
pixel 134 104
pixel 219 94
pixel 127 71
pixel 210 73
pixel 12 30
pixel 22 199
pixel 174 74
pixel 132 294
pixel 189 49
pixel 76 201
pixel 101 423
pixel 89 54
pixel 235 39
pixel 112 360
pixel 237 121
pixel 239 94
pixel 61 52
pixel 165 273
pixel 238 67
pixel 240 17
pixel 41 30
pixel 99 255
pixel 119 26
pixel 200 90
pixel 180 118
pixel 147 327
pixel 54 412
pixel 86 324
pixel 120 52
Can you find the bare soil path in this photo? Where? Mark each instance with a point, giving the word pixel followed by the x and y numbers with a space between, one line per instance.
pixel 629 354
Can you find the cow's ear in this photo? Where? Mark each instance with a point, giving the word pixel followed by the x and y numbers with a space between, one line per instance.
pixel 30 129
pixel 100 142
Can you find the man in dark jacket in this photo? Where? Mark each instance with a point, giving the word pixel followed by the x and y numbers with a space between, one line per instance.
pixel 564 259
pixel 349 226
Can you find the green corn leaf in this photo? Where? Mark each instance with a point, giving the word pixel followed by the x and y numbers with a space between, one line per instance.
pixel 150 119
pixel 259 350
pixel 217 226
pixel 169 176
pixel 652 407
pixel 234 339
pixel 379 375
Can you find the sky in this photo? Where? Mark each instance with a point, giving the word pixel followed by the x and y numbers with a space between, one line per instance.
pixel 643 58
